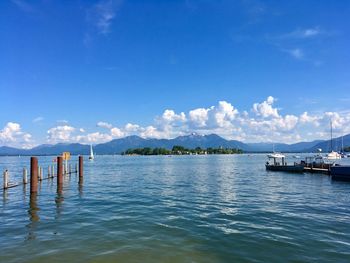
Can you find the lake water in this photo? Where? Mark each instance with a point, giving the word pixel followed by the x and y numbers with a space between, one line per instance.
pixel 222 208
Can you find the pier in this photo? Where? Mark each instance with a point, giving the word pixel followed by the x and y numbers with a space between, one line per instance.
pixel 316 170
pixel 37 173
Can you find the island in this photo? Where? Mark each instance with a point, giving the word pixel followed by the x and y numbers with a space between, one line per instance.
pixel 180 150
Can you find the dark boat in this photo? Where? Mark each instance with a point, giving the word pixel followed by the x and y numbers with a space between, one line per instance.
pixel 340 172
pixel 317 161
pixel 279 164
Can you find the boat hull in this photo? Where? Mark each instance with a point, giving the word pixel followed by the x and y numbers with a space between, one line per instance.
pixel 286 168
pixel 340 172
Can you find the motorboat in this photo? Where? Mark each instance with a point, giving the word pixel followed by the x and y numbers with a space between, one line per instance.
pixel 340 172
pixel 276 162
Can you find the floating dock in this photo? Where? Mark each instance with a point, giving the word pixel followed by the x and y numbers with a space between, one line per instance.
pixel 316 170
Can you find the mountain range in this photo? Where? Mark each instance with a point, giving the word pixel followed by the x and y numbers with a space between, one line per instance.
pixel 117 146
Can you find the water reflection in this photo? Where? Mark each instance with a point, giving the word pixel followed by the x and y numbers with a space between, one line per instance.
pixel 33 216
pixel 4 197
pixel 24 191
pixel 59 200
pixel 80 186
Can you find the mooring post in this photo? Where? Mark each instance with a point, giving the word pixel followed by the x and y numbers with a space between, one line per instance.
pixel 25 180
pixel 59 171
pixel 53 171
pixel 33 174
pixel 49 171
pixel 81 171
pixel 6 179
pixel 40 173
pixel 76 168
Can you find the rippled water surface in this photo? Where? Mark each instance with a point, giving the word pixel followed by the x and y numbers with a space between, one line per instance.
pixel 222 208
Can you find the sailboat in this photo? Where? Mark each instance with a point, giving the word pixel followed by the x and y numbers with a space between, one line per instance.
pixel 91 157
pixel 333 155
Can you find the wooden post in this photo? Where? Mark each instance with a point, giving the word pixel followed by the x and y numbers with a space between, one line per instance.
pixel 53 171
pixel 59 171
pixel 40 173
pixel 33 174
pixel 6 179
pixel 49 171
pixel 81 171
pixel 25 180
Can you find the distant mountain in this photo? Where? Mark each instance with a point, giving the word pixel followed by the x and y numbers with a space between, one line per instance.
pixel 47 149
pixel 282 147
pixel 4 150
pixel 189 141
pixel 336 144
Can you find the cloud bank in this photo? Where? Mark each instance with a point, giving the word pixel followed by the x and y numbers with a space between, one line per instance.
pixel 263 122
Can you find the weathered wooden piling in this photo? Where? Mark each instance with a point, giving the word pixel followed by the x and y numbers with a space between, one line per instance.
pixel 81 171
pixel 33 174
pixel 49 171
pixel 59 171
pixel 6 179
pixel 25 180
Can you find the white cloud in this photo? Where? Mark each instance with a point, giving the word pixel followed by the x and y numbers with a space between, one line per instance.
pixel 303 33
pixel 198 117
pixel 95 137
pixel 265 108
pixel 297 53
pixel 105 125
pixel 12 135
pixel 117 133
pixel 310 32
pixel 222 115
pixel 263 122
pixel 102 14
pixel 306 118
pixel 60 134
pixel 153 132
pixel 129 128
pixel 38 119
pixel 171 116
pixel 215 116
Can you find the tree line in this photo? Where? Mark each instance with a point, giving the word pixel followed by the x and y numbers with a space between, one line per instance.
pixel 180 150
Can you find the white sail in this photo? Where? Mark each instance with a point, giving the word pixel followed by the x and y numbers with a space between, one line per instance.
pixel 91 157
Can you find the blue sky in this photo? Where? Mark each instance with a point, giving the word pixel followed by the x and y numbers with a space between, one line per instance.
pixel 92 71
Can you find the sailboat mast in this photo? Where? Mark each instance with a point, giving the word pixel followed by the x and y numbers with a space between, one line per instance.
pixel 331 137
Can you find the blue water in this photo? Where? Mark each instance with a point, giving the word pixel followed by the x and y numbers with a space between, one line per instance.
pixel 222 208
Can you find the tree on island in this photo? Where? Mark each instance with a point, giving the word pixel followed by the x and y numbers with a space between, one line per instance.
pixel 180 150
